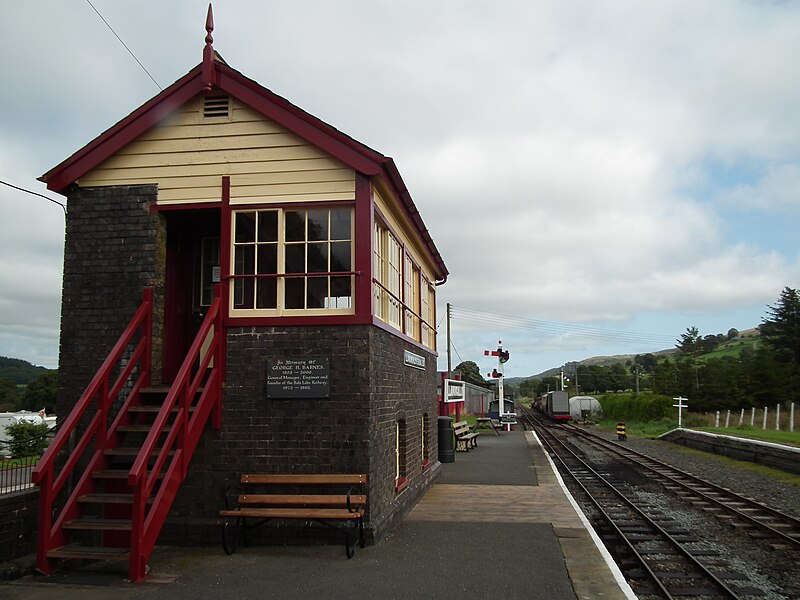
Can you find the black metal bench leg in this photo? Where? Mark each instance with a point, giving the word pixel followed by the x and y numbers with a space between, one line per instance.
pixel 349 542
pixel 361 540
pixel 231 527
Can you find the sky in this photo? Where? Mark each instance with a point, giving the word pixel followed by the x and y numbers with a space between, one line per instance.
pixel 598 176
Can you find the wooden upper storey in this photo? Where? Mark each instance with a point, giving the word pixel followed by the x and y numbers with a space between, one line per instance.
pixel 188 152
pixel 216 122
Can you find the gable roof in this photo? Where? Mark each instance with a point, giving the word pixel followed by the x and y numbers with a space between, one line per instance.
pixel 213 73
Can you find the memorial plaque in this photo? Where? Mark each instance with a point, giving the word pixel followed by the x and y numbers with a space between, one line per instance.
pixel 298 378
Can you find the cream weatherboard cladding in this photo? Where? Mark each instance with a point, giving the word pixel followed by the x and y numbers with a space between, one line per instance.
pixel 187 153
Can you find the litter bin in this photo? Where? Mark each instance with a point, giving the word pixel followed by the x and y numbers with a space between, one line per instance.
pixel 447 452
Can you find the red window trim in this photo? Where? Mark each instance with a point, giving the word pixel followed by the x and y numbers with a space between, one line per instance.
pixel 401 484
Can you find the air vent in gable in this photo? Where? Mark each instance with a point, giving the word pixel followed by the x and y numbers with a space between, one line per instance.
pixel 216 106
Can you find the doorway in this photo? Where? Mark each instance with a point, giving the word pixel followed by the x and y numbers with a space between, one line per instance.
pixel 192 268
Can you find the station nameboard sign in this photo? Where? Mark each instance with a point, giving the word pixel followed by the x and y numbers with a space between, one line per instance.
pixel 299 378
pixel 453 390
pixel 413 360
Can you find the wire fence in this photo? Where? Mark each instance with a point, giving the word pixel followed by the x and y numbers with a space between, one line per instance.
pixel 777 418
pixel 15 475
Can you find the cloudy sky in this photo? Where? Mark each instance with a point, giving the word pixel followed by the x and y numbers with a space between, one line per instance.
pixel 598 176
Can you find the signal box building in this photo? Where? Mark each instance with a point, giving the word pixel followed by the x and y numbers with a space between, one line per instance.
pixel 298 255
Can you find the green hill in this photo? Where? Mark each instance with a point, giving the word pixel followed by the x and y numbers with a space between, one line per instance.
pixel 747 339
pixel 19 371
pixel 733 347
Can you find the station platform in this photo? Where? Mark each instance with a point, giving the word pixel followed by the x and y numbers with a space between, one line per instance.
pixel 497 523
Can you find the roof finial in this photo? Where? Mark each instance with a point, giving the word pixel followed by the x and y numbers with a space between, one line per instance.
pixel 209 26
pixel 209 74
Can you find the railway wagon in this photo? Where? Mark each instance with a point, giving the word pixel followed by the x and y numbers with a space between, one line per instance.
pixel 508 406
pixel 557 406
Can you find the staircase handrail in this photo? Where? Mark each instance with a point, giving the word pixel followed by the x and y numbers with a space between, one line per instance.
pixel 142 318
pixel 182 436
pixel 100 389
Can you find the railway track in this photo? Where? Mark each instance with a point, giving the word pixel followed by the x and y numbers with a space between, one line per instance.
pixel 760 521
pixel 653 550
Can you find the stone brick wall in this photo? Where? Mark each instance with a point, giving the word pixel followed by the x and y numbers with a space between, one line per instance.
pixel 18 521
pixel 351 431
pixel 407 393
pixel 114 248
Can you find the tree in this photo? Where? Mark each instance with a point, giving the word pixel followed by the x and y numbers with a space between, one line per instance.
pixel 689 343
pixel 527 388
pixel 471 373
pixel 647 362
pixel 548 384
pixel 41 393
pixel 9 395
pixel 26 439
pixel 782 329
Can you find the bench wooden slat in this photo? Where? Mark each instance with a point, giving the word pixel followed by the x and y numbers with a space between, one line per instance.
pixel 304 479
pixel 333 500
pixel 302 499
pixel 465 437
pixel 294 513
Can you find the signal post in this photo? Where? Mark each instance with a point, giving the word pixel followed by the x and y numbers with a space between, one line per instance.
pixel 497 373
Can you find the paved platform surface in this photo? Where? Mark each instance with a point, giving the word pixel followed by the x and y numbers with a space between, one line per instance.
pixel 496 524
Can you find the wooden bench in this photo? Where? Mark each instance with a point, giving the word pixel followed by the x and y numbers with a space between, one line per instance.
pixel 465 437
pixel 333 498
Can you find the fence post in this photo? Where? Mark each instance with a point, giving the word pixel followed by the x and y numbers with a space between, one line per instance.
pixel 753 417
pixel 727 419
pixel 716 420
pixel 791 417
pixel 777 417
pixel 764 425
pixel 741 418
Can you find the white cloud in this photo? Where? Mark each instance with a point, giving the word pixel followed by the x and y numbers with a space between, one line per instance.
pixel 553 148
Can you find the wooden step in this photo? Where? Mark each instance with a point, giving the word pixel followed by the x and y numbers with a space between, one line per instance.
pixel 91 524
pixel 131 452
pixel 115 474
pixel 152 409
pixel 152 390
pixel 161 390
pixel 102 498
pixel 145 428
pixel 111 474
pixel 89 553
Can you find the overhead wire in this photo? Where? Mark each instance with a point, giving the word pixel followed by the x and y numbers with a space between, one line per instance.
pixel 124 44
pixel 21 189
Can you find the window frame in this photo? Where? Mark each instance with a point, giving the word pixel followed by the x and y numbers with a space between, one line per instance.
pixel 281 276
pixel 410 308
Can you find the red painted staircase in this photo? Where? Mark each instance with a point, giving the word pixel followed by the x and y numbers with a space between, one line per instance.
pixel 110 475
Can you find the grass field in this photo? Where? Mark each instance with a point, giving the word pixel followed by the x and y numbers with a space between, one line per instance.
pixel 732 348
pixel 653 429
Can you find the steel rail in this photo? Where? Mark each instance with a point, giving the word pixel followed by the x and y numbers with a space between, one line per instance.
pixel 642 460
pixel 725 590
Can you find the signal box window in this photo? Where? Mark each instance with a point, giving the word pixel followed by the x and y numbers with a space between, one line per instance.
pixel 293 260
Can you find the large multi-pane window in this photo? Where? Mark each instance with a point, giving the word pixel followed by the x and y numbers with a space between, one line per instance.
pixel 293 259
pixel 411 299
pixel 428 314
pixel 402 296
pixel 388 265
